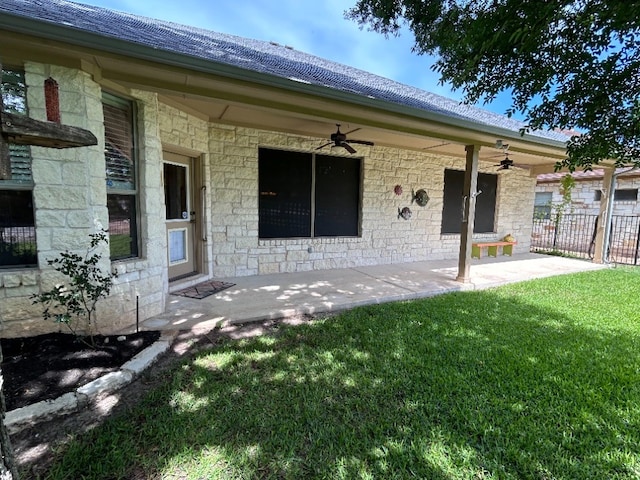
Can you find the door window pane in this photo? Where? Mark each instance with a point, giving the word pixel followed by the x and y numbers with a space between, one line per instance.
pixel 175 191
pixel 177 246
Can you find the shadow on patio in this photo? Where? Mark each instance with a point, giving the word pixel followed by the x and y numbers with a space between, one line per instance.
pixel 276 296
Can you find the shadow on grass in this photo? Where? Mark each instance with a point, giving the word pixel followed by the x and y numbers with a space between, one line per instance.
pixel 471 385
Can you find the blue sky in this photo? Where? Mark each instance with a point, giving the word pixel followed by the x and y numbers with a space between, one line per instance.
pixel 317 27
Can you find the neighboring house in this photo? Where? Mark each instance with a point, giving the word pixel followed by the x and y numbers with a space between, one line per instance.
pixel 573 228
pixel 215 158
pixel 586 195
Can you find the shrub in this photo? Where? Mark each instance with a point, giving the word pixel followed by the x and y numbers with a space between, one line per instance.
pixel 73 303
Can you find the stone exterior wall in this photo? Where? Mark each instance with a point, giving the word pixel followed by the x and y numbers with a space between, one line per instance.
pixel 385 239
pixel 141 287
pixel 69 195
pixel 70 203
pixel 583 196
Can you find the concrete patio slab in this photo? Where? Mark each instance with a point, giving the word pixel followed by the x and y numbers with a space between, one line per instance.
pixel 277 296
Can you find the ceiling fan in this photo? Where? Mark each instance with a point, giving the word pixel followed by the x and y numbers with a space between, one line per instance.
pixel 505 164
pixel 339 139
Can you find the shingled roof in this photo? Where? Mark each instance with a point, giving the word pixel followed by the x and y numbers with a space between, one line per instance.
pixel 253 55
pixel 597 174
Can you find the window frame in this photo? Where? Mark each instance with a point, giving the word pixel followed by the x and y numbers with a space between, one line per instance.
pixel 311 191
pixel 118 101
pixel 27 185
pixel 617 194
pixel 542 210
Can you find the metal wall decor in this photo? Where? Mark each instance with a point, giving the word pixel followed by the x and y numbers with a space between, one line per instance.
pixel 405 213
pixel 420 197
pixel 398 190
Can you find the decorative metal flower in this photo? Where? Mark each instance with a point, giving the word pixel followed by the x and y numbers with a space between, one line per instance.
pixel 398 189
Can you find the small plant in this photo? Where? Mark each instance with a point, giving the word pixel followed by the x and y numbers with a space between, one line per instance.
pixel 74 303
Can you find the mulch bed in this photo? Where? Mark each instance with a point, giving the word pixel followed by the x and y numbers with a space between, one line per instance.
pixel 45 367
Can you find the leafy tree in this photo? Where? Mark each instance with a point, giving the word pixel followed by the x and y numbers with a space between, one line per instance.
pixel 569 64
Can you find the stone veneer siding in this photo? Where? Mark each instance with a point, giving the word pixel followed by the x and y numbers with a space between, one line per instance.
pixel 583 196
pixel 385 238
pixel 70 203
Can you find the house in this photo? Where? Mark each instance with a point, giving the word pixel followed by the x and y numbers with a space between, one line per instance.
pixel 586 195
pixel 221 156
pixel 572 226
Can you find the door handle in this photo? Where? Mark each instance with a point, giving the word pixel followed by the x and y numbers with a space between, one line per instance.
pixel 203 210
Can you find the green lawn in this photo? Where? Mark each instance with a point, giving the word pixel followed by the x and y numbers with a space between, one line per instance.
pixel 536 380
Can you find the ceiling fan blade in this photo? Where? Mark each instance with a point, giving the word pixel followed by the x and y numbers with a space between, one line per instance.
pixel 322 146
pixel 348 147
pixel 361 142
pixel 351 131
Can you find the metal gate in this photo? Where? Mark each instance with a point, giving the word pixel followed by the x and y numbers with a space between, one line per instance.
pixel 574 235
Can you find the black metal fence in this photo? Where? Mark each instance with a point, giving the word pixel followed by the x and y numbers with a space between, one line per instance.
pixel 624 243
pixel 575 235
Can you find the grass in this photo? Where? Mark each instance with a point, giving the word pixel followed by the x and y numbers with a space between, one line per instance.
pixel 538 380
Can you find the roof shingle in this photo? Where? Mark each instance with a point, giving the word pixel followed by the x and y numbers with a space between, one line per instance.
pixel 254 55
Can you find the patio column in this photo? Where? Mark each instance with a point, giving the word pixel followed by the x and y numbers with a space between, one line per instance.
pixel 468 212
pixel 604 217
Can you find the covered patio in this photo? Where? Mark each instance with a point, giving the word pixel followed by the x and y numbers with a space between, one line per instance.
pixel 236 152
pixel 289 295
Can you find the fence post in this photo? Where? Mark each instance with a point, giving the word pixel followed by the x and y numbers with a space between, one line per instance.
pixel 635 259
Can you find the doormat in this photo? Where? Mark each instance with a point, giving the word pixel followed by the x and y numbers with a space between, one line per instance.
pixel 204 289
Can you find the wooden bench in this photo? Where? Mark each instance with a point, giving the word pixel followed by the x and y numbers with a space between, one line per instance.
pixel 492 248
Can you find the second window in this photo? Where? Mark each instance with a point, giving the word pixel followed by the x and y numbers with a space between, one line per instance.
pixel 304 195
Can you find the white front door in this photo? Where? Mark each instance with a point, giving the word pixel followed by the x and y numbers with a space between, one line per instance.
pixel 180 215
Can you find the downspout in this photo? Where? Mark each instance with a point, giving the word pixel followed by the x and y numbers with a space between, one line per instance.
pixel 609 218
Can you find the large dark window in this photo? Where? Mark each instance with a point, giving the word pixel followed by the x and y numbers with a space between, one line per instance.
pixel 306 195
pixel 121 178
pixel 453 202
pixel 17 225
